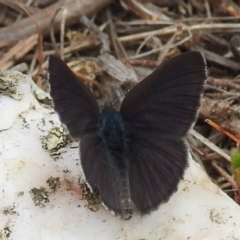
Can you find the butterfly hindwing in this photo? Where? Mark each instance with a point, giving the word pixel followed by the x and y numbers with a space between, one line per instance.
pixel 166 102
pixel 98 173
pixel 73 101
pixel 157 166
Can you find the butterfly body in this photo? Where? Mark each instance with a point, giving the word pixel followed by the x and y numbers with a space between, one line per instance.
pixel 135 157
pixel 112 132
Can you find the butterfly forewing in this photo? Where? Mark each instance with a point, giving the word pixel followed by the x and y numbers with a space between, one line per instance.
pixel 73 101
pixel 167 101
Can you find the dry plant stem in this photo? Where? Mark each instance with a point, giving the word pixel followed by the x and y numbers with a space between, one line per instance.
pixel 172 29
pixel 40 56
pixel 234 46
pixel 62 30
pixel 165 47
pixel 215 39
pixel 12 4
pixel 33 63
pixel 213 57
pixel 172 22
pixel 101 35
pixel 25 27
pixel 195 149
pixel 208 10
pixel 168 46
pixel 141 22
pixel 118 47
pixel 226 96
pixel 88 80
pixel 211 156
pixel 197 159
pixel 223 173
pixel 36 73
pixel 142 11
pixel 85 44
pixel 225 185
pixel 52 36
pixel 223 83
pixel 222 92
pixel 17 51
pixel 144 63
pixel 231 190
pixel 210 145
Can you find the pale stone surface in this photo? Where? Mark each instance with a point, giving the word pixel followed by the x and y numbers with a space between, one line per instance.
pixel 199 210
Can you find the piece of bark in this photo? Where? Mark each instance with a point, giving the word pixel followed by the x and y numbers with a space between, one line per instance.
pixel 26 27
pixel 117 69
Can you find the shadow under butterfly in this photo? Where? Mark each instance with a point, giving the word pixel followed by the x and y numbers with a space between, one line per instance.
pixel 135 157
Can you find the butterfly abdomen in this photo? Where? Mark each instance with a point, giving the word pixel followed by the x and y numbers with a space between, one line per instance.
pixel 124 192
pixel 113 134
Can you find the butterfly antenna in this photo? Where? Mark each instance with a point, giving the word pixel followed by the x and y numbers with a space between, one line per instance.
pixel 118 98
pixel 100 103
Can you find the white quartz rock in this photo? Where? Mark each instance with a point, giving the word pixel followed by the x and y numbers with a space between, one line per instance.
pixel 199 210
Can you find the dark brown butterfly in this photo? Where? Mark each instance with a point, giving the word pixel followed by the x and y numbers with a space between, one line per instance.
pixel 135 157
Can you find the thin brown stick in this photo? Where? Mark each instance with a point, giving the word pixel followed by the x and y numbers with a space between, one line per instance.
pixel 223 83
pixel 62 30
pixel 103 37
pixel 223 173
pixel 17 51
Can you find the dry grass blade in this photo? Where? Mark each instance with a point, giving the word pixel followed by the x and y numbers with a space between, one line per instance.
pixel 214 27
pixel 209 144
